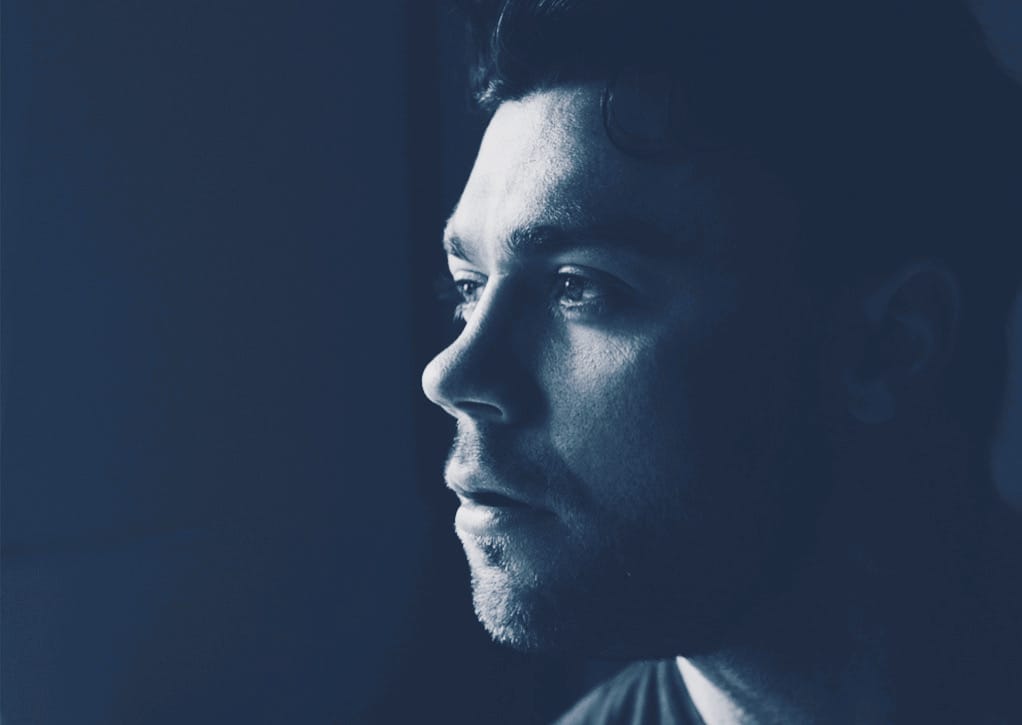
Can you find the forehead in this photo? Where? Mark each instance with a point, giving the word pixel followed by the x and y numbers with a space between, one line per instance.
pixel 546 161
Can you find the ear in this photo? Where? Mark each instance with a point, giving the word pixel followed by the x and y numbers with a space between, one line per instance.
pixel 910 322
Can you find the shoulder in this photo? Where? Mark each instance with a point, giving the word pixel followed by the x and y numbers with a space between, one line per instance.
pixel 645 692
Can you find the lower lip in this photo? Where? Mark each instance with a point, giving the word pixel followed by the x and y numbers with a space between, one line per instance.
pixel 477 520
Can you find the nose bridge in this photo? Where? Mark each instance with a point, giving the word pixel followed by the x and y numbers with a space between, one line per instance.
pixel 479 374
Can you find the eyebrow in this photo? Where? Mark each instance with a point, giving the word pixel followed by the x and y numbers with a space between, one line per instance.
pixel 629 234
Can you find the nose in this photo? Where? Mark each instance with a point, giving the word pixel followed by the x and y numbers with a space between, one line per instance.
pixel 480 375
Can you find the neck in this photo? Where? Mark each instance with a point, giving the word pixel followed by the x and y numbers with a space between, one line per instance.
pixel 805 667
pixel 876 627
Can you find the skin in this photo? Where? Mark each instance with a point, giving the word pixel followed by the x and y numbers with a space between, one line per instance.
pixel 666 446
pixel 608 371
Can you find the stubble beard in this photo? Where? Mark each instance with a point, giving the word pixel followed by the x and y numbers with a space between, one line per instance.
pixel 620 597
pixel 649 583
pixel 632 593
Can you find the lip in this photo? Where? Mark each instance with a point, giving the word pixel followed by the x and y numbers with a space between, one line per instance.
pixel 480 520
pixel 488 492
pixel 489 508
pixel 489 498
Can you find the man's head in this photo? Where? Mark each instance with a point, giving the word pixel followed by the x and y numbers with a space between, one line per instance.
pixel 667 219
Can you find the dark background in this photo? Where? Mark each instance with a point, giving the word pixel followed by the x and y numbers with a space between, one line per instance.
pixel 221 488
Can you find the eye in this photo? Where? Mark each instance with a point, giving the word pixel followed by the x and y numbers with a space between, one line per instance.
pixel 460 290
pixel 467 291
pixel 572 289
pixel 578 292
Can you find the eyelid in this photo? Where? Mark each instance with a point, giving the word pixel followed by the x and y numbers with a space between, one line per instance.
pixel 457 265
pixel 581 270
pixel 460 275
pixel 595 276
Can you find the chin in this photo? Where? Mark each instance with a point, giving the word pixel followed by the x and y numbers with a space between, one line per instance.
pixel 595 609
pixel 521 597
pixel 505 594
pixel 530 620
pixel 527 619
pixel 508 616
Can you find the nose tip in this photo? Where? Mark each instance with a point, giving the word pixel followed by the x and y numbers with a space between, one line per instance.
pixel 432 383
pixel 489 372
pixel 445 384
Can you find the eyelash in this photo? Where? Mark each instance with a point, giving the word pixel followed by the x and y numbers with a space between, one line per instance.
pixel 465 289
pixel 451 291
pixel 465 293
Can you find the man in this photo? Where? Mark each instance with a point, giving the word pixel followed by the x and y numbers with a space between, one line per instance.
pixel 734 279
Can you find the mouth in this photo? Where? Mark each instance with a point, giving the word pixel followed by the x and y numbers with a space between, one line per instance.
pixel 488 515
pixel 485 491
pixel 494 499
pixel 487 511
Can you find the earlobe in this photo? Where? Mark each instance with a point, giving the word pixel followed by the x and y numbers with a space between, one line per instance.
pixel 909 321
pixel 870 402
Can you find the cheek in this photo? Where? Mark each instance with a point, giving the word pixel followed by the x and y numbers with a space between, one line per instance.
pixel 619 419
pixel 672 421
pixel 748 409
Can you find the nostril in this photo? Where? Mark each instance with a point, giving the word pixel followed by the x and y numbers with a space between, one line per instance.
pixel 477 409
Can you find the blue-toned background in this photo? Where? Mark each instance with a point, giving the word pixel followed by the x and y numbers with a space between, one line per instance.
pixel 221 491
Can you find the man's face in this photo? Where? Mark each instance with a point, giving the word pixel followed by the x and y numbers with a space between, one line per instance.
pixel 626 384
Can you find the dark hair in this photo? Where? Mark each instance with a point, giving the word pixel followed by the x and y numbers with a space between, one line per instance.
pixel 894 126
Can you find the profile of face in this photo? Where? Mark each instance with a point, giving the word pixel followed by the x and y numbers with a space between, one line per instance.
pixel 630 384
